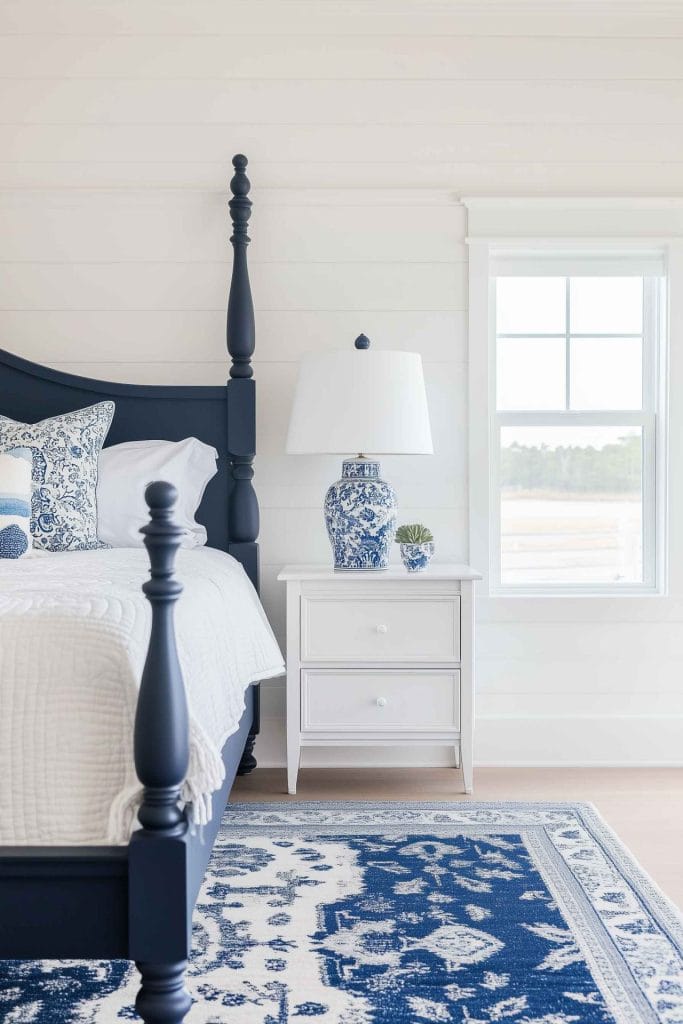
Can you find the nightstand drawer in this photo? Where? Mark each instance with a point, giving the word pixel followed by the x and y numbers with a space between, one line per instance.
pixel 380 630
pixel 381 701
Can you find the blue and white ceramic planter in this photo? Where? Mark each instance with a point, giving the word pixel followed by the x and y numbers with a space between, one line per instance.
pixel 360 515
pixel 417 556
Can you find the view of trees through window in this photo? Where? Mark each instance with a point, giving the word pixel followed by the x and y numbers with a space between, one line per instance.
pixel 572 418
pixel 613 469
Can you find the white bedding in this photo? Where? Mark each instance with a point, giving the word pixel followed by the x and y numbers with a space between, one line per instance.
pixel 73 638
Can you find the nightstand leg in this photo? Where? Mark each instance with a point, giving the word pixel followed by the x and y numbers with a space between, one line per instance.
pixel 293 754
pixel 467 773
pixel 466 683
pixel 293 686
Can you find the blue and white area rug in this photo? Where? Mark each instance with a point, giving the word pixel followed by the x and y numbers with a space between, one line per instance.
pixel 403 914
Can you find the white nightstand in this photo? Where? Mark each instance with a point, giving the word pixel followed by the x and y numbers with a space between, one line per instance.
pixel 380 658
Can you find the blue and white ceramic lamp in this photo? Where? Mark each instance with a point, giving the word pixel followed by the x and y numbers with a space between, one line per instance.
pixel 360 515
pixel 360 400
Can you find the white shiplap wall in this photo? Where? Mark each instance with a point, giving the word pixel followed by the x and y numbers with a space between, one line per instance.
pixel 363 122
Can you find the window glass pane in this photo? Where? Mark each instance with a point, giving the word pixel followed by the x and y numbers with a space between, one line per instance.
pixel 606 305
pixel 531 373
pixel 606 373
pixel 571 505
pixel 530 305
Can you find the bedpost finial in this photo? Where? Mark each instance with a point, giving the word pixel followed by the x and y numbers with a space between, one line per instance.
pixel 362 341
pixel 240 184
pixel 162 539
pixel 160 496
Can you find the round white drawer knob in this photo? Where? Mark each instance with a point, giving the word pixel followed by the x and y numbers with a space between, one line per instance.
pixel 382 628
pixel 382 702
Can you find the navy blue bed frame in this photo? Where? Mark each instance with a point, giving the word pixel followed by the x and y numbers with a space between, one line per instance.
pixel 136 902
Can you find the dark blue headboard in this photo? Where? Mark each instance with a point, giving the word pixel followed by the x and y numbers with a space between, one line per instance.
pixel 220 416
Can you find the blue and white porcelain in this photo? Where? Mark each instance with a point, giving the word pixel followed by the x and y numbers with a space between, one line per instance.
pixel 65 451
pixel 360 516
pixel 417 557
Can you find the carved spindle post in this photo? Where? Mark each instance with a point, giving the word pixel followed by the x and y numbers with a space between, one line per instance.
pixel 243 511
pixel 241 332
pixel 162 746
pixel 162 753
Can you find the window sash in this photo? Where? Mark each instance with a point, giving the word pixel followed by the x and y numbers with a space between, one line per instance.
pixel 645 418
pixel 647 424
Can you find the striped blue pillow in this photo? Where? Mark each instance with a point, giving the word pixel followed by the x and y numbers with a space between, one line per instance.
pixel 16 467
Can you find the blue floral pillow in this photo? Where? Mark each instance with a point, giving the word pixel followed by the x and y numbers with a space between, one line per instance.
pixel 15 502
pixel 65 452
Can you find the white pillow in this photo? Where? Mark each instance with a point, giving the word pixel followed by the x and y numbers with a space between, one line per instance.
pixel 126 469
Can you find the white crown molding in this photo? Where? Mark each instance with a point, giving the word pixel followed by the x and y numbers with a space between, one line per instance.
pixel 570 220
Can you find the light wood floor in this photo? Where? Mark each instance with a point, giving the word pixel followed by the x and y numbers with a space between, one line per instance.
pixel 644 806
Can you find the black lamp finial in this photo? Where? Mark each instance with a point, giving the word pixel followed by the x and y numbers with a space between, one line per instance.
pixel 362 341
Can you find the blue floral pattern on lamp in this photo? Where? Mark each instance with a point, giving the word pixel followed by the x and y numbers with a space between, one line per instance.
pixel 360 516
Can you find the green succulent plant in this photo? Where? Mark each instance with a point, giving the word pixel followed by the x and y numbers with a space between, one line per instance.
pixel 413 533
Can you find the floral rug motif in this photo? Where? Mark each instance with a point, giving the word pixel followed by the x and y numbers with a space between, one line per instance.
pixel 400 913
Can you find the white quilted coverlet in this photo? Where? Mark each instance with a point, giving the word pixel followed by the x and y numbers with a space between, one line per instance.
pixel 74 628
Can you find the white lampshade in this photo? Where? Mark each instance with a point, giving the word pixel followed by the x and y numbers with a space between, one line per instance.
pixel 360 400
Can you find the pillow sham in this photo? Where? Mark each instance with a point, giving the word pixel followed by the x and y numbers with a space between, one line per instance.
pixel 15 502
pixel 126 469
pixel 65 452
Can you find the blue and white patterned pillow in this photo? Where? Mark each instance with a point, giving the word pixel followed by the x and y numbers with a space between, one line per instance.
pixel 65 452
pixel 15 502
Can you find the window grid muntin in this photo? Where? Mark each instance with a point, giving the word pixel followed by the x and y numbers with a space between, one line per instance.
pixel 645 418
pixel 568 335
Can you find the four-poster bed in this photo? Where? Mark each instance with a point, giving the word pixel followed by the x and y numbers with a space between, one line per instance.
pixel 135 901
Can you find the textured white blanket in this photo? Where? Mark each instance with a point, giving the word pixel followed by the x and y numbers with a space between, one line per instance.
pixel 73 637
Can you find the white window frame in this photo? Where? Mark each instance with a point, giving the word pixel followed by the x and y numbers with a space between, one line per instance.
pixel 551 263
pixel 487 246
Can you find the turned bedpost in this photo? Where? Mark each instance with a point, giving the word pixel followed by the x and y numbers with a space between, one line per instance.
pixel 243 511
pixel 240 328
pixel 159 919
pixel 162 744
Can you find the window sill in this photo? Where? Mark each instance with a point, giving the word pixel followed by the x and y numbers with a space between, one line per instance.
pixel 582 592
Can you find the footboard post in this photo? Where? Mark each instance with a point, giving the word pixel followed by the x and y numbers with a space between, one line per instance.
pixel 159 915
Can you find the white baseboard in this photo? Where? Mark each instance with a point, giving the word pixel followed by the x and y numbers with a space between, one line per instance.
pixel 506 741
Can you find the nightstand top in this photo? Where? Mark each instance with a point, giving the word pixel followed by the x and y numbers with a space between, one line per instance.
pixel 436 571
